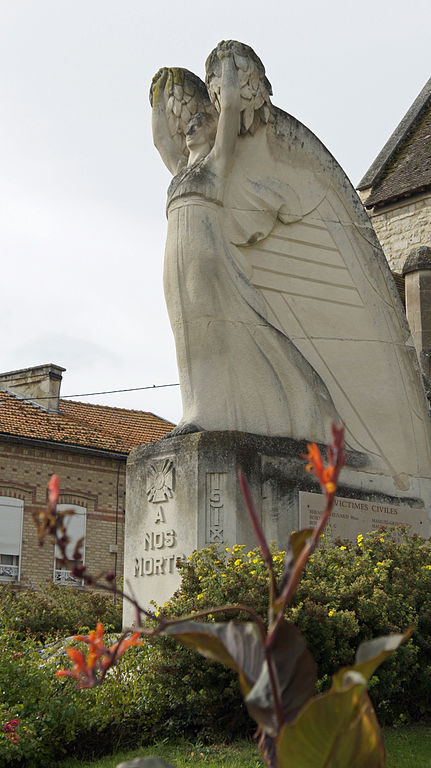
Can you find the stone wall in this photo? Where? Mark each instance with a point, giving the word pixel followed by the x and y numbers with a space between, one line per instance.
pixel 402 227
pixel 94 482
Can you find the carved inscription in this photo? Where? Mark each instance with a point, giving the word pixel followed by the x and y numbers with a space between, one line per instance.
pixel 215 490
pixel 155 566
pixel 155 557
pixel 351 517
pixel 159 539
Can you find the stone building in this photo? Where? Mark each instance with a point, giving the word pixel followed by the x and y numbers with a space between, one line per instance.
pixel 396 189
pixel 86 446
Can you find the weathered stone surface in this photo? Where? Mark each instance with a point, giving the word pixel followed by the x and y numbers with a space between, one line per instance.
pixel 418 258
pixel 183 494
pixel 282 305
pixel 352 516
pixel 402 226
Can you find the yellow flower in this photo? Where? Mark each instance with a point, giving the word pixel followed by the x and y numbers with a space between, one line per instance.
pixel 227 549
pixel 331 612
pixel 250 554
pixel 256 560
pixel 359 537
pixel 379 562
pixel 375 569
pixel 343 547
pixel 429 567
pixel 381 538
pixel 238 562
pixel 252 572
pixel 199 597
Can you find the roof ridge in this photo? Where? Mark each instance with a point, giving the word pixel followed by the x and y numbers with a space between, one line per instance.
pixel 379 165
pixel 114 408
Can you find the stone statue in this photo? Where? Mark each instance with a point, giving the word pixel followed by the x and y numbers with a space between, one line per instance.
pixel 237 369
pixel 283 308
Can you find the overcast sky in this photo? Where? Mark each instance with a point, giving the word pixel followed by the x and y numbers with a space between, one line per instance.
pixel 82 189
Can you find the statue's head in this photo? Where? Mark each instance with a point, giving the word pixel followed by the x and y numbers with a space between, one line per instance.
pixel 255 88
pixel 201 129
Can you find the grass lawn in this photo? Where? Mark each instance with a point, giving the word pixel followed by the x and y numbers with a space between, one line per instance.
pixel 407 747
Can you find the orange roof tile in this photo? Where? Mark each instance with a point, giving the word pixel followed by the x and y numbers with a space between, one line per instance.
pixel 81 424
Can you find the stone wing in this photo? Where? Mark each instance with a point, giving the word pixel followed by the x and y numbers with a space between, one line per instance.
pixel 327 286
pixel 186 94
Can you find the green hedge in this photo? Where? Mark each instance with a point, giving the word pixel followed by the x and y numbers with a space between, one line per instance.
pixel 348 593
pixel 56 611
pixel 56 719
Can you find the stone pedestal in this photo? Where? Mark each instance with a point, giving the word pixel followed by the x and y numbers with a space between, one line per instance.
pixel 183 494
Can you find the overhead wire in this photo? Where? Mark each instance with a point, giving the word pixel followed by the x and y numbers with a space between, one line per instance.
pixel 105 392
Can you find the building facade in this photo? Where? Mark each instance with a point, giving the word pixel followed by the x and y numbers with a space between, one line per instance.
pixel 87 447
pixel 396 190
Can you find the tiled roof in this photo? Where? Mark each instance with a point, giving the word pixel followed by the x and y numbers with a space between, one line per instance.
pixel 80 424
pixel 403 167
pixel 410 168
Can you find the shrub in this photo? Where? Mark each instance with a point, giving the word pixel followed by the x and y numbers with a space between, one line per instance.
pixel 55 718
pixel 56 611
pixel 348 593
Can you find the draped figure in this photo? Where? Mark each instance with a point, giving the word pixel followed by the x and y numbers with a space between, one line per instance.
pixel 283 308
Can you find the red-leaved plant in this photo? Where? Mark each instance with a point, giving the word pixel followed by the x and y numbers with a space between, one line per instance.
pixel 277 673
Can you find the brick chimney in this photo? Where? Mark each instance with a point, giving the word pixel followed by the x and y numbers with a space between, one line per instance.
pixel 40 384
pixel 417 274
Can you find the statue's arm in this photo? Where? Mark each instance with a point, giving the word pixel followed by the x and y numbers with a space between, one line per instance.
pixel 168 150
pixel 163 141
pixel 230 104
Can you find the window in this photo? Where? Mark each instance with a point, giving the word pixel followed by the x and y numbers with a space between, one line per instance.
pixel 11 513
pixel 75 525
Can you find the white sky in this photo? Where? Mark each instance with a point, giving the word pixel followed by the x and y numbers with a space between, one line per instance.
pixel 82 189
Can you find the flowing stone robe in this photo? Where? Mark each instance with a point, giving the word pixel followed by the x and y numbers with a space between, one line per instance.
pixel 237 370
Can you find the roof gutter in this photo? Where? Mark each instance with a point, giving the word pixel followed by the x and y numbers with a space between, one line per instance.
pixel 70 448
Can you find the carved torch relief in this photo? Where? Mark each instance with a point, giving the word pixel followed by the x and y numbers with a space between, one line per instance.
pixel 158 543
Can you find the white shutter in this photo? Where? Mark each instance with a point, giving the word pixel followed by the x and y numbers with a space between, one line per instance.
pixel 11 511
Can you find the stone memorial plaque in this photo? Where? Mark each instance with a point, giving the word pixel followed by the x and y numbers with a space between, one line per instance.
pixel 353 516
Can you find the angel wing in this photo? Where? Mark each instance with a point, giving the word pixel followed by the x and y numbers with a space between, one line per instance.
pixel 180 94
pixel 312 254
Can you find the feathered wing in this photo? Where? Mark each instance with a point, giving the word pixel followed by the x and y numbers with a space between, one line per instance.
pixel 309 249
pixel 185 94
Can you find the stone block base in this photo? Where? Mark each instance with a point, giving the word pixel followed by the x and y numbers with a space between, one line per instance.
pixel 183 494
